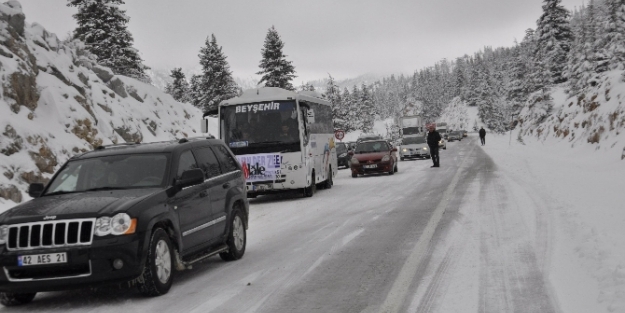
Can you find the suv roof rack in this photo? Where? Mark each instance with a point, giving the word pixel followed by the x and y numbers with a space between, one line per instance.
pixel 117 145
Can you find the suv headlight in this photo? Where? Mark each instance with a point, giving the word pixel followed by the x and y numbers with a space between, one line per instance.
pixel 4 232
pixel 354 161
pixel 386 158
pixel 120 224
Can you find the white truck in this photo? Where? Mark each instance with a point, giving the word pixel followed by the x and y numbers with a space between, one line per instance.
pixel 412 126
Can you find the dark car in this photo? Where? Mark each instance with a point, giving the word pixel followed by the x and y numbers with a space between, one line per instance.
pixel 131 212
pixel 376 156
pixel 455 135
pixel 342 154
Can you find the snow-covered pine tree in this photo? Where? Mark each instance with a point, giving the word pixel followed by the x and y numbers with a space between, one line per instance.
pixel 102 27
pixel 554 38
pixel 215 83
pixel 333 94
pixel 276 71
pixel 346 108
pixel 613 42
pixel 459 80
pixel 517 92
pixel 367 108
pixel 307 87
pixel 179 87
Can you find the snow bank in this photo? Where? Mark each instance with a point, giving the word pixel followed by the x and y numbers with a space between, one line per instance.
pixel 58 102
pixel 583 193
pixel 379 127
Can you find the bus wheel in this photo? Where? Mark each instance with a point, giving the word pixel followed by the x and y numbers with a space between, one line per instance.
pixel 329 181
pixel 310 190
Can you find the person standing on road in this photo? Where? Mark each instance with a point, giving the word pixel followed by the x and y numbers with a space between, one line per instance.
pixel 433 138
pixel 483 135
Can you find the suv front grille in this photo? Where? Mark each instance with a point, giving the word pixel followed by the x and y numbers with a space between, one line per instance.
pixel 50 234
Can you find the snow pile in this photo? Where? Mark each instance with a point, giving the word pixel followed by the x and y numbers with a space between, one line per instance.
pixel 579 194
pixel 58 102
pixel 595 116
pixel 382 128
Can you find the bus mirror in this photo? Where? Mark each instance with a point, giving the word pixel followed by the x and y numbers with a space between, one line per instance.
pixel 310 116
pixel 204 126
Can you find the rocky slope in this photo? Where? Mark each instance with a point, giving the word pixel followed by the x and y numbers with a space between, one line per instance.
pixel 55 101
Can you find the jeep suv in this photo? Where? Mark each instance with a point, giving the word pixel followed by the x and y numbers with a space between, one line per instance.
pixel 130 212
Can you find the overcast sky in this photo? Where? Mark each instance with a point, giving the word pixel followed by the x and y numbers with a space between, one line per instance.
pixel 345 38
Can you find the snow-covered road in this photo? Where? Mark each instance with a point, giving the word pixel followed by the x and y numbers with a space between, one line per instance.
pixel 461 238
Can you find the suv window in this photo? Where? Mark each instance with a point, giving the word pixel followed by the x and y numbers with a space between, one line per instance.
pixel 208 162
pixel 186 162
pixel 228 163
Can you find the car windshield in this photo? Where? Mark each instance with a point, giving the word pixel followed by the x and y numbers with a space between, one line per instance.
pixel 413 140
pixel 373 146
pixel 111 172
pixel 260 123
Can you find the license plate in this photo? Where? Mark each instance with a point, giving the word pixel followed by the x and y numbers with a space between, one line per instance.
pixel 371 166
pixel 41 259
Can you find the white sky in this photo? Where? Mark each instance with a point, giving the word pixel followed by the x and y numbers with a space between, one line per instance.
pixel 345 38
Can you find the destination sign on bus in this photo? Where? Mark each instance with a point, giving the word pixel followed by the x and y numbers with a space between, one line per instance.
pixel 253 108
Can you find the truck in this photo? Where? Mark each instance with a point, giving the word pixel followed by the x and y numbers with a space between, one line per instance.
pixel 412 125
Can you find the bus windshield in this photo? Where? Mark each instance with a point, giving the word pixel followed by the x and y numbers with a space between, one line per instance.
pixel 271 122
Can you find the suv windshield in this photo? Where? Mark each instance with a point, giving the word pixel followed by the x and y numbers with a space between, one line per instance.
pixel 111 172
pixel 413 140
pixel 373 146
pixel 341 148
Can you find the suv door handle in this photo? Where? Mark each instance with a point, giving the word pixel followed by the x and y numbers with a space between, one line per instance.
pixel 226 185
pixel 203 194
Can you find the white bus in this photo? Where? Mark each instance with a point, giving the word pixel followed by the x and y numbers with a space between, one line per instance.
pixel 283 139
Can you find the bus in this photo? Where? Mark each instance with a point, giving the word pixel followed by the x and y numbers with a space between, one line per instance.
pixel 284 140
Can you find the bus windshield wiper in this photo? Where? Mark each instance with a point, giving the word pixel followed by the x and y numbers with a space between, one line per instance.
pixel 266 142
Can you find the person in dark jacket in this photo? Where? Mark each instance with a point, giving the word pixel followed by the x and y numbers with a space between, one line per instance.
pixel 483 135
pixel 433 138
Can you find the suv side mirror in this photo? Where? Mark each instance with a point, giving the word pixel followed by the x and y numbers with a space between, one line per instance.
pixel 35 190
pixel 190 178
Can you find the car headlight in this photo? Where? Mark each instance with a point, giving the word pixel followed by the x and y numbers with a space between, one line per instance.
pixel 386 158
pixel 342 155
pixel 354 161
pixel 404 149
pixel 425 148
pixel 120 224
pixel 4 232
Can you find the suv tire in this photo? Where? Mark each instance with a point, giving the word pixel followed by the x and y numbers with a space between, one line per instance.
pixel 13 299
pixel 157 275
pixel 237 237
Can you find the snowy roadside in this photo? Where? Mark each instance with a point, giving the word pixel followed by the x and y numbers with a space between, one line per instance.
pixel 586 203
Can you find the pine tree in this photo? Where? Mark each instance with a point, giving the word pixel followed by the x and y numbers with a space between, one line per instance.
pixel 276 71
pixel 179 87
pixel 215 83
pixel 102 27
pixel 614 38
pixel 367 109
pixel 554 41
pixel 459 80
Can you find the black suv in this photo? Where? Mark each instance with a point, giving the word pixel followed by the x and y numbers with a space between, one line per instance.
pixel 130 212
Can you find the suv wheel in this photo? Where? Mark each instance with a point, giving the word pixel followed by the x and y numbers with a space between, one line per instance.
pixel 329 181
pixel 236 238
pixel 310 191
pixel 156 278
pixel 12 299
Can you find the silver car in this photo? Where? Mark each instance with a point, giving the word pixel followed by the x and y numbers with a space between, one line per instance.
pixel 414 147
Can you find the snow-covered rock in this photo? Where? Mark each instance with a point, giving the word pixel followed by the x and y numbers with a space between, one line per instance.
pixel 595 117
pixel 56 102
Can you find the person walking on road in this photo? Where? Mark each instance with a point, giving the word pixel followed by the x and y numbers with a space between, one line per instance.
pixel 433 138
pixel 483 135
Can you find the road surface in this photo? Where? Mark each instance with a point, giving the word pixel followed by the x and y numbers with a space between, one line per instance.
pixel 449 239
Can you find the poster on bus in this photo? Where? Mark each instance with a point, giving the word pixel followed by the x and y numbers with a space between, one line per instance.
pixel 260 167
